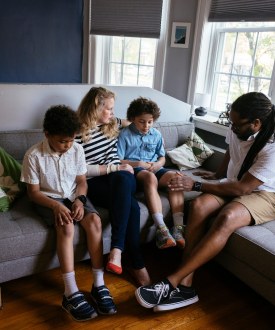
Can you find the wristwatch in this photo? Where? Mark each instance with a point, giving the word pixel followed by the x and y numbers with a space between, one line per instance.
pixel 82 199
pixel 197 186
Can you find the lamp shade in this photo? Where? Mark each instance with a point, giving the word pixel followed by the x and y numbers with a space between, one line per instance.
pixel 202 100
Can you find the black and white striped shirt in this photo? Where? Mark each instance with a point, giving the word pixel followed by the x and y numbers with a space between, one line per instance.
pixel 100 150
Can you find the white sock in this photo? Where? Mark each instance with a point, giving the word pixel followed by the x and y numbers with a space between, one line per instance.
pixel 70 283
pixel 158 219
pixel 98 276
pixel 178 218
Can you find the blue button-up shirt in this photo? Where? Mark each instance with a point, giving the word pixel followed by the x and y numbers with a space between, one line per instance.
pixel 135 146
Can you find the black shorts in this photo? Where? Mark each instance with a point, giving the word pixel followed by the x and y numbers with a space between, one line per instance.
pixel 158 174
pixel 48 215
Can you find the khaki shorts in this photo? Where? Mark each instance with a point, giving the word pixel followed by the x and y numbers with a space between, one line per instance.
pixel 260 204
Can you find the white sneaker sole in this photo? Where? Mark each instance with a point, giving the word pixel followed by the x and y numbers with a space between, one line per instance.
pixel 80 320
pixel 168 307
pixel 141 301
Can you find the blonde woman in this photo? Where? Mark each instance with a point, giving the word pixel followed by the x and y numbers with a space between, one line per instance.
pixel 111 184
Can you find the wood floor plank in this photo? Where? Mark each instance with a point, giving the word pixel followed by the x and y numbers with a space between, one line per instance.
pixel 225 302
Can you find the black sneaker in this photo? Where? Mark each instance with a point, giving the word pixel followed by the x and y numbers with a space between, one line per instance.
pixel 180 297
pixel 78 307
pixel 151 295
pixel 103 300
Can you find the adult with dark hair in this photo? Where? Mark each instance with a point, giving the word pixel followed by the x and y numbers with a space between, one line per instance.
pixel 55 172
pixel 110 183
pixel 244 197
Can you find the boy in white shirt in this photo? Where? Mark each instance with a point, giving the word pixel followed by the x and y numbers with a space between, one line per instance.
pixel 55 173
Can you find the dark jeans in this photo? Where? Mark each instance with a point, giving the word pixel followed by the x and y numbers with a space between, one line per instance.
pixel 115 191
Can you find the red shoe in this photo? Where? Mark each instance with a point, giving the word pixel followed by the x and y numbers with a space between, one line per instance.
pixel 110 267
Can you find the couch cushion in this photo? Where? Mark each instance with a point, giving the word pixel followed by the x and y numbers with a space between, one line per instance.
pixel 17 142
pixel 174 133
pixel 255 246
pixel 23 233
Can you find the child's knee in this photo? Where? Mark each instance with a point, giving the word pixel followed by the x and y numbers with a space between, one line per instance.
pixel 166 177
pixel 148 178
pixel 169 175
pixel 94 221
pixel 67 230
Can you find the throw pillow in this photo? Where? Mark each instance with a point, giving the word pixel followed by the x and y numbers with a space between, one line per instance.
pixel 183 157
pixel 199 147
pixel 10 185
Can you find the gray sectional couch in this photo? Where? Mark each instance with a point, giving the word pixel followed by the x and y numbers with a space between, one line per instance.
pixel 27 245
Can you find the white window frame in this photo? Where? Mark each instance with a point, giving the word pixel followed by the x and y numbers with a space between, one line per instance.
pixel 205 51
pixel 98 54
pixel 215 56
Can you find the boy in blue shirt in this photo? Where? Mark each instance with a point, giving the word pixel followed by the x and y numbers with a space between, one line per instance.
pixel 141 146
pixel 55 173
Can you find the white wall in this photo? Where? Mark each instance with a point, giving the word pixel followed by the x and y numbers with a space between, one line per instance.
pixel 23 106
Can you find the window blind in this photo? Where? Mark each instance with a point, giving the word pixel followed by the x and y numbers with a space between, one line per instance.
pixel 132 18
pixel 242 10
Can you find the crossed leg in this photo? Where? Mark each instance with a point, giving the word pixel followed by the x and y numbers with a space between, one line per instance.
pixel 203 243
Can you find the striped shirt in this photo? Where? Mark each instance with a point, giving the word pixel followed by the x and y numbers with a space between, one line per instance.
pixel 99 149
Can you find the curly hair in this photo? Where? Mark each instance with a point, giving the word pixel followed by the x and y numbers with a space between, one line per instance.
pixel 141 106
pixel 61 120
pixel 89 110
pixel 251 106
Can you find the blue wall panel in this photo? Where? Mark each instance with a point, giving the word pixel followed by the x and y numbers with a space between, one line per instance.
pixel 41 41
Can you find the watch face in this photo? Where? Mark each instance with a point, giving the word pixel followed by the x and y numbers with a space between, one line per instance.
pixel 82 198
pixel 197 186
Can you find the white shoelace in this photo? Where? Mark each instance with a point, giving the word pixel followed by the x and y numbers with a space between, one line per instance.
pixel 161 290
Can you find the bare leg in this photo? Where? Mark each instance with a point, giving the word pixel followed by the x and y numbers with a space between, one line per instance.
pixel 164 239
pixel 65 251
pixel 201 249
pixel 176 198
pixel 92 226
pixel 141 276
pixel 150 185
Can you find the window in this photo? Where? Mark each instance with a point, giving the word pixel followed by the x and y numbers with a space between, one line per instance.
pixel 232 58
pixel 128 61
pixel 132 61
pixel 243 61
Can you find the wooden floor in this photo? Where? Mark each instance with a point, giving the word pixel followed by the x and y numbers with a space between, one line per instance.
pixel 225 303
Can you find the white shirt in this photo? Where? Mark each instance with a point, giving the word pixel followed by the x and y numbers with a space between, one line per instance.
pixel 263 167
pixel 54 173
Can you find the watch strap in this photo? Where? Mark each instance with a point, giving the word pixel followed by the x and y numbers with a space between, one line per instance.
pixel 82 199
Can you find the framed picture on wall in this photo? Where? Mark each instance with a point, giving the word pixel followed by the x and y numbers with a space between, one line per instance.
pixel 180 35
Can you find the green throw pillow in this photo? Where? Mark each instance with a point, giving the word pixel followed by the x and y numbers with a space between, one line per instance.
pixel 191 154
pixel 183 157
pixel 199 147
pixel 10 185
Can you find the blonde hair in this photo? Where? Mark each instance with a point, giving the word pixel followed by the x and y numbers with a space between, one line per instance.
pixel 89 111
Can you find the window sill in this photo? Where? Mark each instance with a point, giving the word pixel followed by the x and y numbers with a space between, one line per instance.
pixel 207 123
